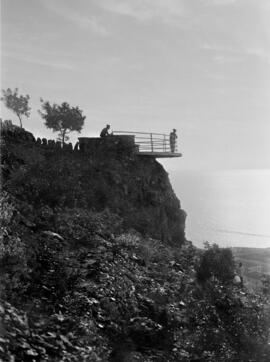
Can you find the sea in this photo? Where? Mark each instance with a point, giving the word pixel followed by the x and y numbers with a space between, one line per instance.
pixel 227 207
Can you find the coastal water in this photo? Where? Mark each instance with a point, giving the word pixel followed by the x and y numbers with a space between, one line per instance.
pixel 231 207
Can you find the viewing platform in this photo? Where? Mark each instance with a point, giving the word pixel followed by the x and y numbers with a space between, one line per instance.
pixel 155 145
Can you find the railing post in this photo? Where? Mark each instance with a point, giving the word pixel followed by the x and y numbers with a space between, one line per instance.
pixel 164 143
pixel 151 138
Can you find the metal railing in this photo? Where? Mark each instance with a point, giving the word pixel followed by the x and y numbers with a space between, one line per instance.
pixel 149 142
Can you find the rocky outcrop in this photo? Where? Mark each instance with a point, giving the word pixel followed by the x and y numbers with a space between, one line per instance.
pixel 107 176
pixel 77 284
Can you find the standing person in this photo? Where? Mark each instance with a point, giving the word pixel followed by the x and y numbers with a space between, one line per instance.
pixel 173 138
pixel 105 131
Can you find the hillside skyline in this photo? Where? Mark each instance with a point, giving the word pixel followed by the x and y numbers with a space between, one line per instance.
pixel 202 67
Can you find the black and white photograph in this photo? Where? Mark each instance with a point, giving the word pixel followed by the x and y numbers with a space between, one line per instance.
pixel 135 181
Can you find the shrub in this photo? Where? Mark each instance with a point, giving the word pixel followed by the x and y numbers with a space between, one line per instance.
pixel 217 263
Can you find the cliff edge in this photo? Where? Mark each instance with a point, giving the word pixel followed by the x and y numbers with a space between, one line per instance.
pixel 108 176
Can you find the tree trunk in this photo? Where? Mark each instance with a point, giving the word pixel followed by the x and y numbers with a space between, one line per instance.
pixel 20 119
pixel 63 136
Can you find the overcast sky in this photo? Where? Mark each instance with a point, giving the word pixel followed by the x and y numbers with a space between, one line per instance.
pixel 201 66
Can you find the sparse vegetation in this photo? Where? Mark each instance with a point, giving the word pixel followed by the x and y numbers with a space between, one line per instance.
pixel 18 104
pixel 62 118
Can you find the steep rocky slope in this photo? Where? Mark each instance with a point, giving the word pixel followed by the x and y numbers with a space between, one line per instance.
pixel 111 176
pixel 94 265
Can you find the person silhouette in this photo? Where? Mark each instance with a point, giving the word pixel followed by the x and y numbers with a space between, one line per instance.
pixel 105 131
pixel 173 138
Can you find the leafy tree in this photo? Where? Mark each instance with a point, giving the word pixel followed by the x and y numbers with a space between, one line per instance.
pixel 62 118
pixel 216 262
pixel 16 103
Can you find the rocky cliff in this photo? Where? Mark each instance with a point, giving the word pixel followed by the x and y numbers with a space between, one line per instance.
pixel 94 266
pixel 108 176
